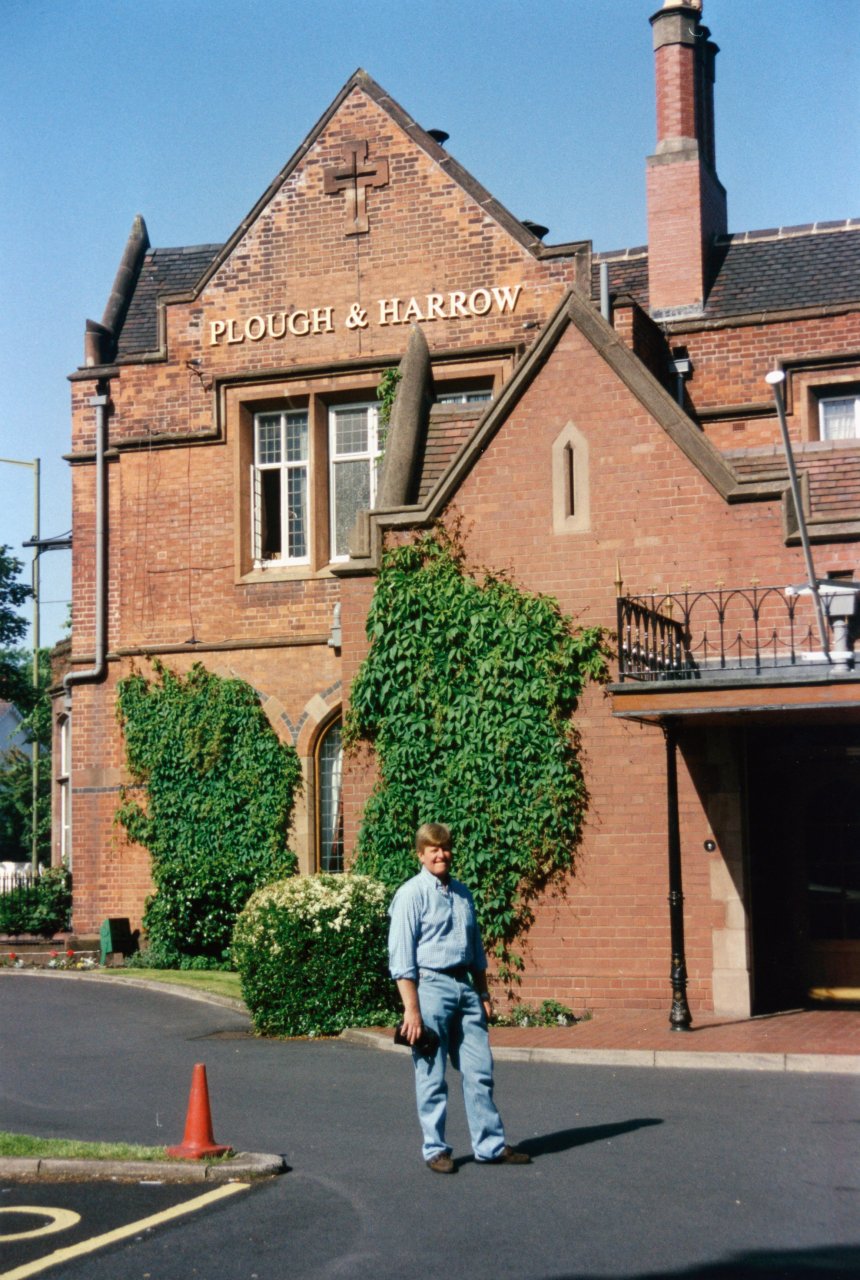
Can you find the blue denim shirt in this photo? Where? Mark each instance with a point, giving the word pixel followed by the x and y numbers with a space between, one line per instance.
pixel 433 926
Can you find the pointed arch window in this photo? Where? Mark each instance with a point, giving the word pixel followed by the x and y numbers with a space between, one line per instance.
pixel 329 826
pixel 571 503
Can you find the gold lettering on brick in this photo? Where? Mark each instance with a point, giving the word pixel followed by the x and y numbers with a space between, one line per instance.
pixel 430 307
pixel 298 323
pixel 389 311
pixel 321 320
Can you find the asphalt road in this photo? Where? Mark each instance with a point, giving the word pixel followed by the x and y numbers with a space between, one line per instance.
pixel 636 1173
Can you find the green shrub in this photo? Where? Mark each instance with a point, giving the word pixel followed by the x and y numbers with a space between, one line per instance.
pixel 312 956
pixel 42 907
pixel 548 1014
pixel 153 957
pixel 218 792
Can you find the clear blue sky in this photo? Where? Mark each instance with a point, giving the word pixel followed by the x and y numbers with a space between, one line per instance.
pixel 184 111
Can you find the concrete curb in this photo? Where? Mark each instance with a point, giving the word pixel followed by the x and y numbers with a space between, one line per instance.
pixel 246 1166
pixel 804 1063
pixel 825 1063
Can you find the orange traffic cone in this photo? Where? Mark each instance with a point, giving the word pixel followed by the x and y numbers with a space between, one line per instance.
pixel 198 1141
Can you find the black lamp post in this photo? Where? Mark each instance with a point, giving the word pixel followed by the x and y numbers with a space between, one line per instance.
pixel 680 1018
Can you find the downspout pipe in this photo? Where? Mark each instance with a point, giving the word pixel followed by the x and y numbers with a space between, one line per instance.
pixel 96 672
pixel 605 306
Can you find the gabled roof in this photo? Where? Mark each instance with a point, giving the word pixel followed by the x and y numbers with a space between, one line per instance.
pixel 574 309
pixel 180 271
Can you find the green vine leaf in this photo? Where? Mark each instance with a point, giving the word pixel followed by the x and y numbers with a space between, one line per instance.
pixel 211 797
pixel 467 694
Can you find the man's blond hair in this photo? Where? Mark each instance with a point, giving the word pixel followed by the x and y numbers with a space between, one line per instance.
pixel 432 833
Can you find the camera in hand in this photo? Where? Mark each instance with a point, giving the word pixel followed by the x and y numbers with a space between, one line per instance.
pixel 426 1044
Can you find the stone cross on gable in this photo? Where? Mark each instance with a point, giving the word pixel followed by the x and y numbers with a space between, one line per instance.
pixel 354 176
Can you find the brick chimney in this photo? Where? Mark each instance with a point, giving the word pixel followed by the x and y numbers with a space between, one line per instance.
pixel 686 200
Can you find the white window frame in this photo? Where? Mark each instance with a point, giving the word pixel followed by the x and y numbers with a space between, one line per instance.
pixel 371 455
pixel 475 395
pixel 329 771
pixel 64 729
pixel 286 468
pixel 835 399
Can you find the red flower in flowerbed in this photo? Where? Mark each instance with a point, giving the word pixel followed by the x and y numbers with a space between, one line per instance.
pixel 70 954
pixel 12 955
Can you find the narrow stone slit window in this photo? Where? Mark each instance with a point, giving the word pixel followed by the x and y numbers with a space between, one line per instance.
pixel 570 479
pixel 571 502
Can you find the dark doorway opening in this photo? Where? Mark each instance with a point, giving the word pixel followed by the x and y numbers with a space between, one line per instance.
pixel 803 805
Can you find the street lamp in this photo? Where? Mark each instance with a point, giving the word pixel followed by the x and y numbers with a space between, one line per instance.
pixel 35 467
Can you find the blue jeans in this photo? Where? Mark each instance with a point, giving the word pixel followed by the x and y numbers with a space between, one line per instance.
pixel 455 1013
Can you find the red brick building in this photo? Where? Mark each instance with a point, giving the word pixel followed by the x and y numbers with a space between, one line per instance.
pixel 603 423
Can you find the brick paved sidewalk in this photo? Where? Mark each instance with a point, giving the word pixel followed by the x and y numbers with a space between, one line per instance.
pixel 804 1031
pixel 825 1040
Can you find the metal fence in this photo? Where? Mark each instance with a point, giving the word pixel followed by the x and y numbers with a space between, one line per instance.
pixel 16 879
pixel 700 635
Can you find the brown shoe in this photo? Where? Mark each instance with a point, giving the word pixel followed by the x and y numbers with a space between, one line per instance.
pixel 509 1155
pixel 442 1163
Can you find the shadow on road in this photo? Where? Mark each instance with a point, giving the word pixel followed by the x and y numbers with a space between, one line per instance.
pixel 549 1144
pixel 769 1264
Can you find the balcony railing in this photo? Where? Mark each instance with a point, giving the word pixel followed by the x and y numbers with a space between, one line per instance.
pixel 727 632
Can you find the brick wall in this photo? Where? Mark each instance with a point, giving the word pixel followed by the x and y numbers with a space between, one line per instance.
pixel 178 579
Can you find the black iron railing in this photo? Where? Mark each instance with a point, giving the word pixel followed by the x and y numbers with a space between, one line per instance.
pixel 18 881
pixel 701 635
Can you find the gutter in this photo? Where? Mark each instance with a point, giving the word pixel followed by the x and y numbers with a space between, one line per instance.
pixel 97 671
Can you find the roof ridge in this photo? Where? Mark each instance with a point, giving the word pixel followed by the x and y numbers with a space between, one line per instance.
pixel 186 248
pixel 620 255
pixel 786 233
pixel 825 227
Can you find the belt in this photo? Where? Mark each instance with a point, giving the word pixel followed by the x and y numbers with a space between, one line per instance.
pixel 459 971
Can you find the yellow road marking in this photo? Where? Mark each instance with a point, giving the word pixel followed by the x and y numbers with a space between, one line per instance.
pixel 122 1233
pixel 60 1220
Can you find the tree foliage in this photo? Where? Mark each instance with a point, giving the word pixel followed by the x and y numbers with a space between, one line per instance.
pixel 16 768
pixel 466 695
pixel 13 594
pixel 219 788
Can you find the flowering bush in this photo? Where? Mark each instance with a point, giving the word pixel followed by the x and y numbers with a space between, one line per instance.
pixel 312 955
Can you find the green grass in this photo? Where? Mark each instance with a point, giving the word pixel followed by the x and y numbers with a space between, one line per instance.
pixel 23 1144
pixel 218 982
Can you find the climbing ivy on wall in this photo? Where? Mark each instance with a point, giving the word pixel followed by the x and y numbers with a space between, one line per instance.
pixel 386 393
pixel 466 695
pixel 219 788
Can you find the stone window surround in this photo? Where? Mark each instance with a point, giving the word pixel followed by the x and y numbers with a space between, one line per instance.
pixel 813 380
pixel 571 507
pixel 317 393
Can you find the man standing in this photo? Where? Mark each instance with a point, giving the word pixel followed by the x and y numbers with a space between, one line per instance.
pixel 434 948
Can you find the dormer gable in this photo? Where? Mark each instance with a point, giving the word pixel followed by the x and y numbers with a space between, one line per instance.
pixel 370 227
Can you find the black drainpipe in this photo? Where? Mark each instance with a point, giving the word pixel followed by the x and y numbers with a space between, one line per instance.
pixel 96 672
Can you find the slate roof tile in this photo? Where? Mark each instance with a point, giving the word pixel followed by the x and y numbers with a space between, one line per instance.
pixel 833 471
pixel 776 269
pixel 164 271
